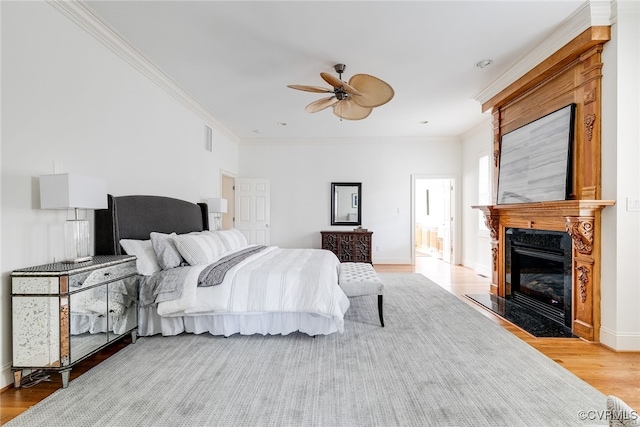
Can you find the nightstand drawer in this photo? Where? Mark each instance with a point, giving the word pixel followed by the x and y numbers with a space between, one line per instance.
pixel 101 275
pixel 35 285
pixel 59 278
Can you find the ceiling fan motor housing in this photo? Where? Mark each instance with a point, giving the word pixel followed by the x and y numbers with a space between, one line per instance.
pixel 341 94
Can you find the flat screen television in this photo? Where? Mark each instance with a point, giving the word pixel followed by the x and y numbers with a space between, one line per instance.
pixel 536 160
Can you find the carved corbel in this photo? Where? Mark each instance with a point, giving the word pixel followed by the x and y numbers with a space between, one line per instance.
pixel 581 232
pixel 589 120
pixel 496 157
pixel 492 223
pixel 583 279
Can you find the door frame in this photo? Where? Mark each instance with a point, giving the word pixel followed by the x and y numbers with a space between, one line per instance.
pixel 455 215
pixel 228 218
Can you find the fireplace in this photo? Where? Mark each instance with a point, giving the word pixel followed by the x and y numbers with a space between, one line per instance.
pixel 527 223
pixel 538 272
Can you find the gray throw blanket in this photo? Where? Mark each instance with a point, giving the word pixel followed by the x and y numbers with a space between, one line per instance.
pixel 164 285
pixel 214 274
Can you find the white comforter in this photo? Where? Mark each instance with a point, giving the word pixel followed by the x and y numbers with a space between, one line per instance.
pixel 274 280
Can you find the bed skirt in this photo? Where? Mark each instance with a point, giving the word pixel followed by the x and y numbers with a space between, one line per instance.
pixel 150 323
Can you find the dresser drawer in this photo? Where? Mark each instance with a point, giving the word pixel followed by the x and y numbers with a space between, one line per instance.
pixel 101 275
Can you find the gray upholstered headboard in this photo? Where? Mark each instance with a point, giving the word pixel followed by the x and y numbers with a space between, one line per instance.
pixel 135 217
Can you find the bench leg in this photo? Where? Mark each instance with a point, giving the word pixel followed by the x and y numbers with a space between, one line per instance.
pixel 380 310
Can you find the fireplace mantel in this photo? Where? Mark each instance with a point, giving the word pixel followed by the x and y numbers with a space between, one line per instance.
pixel 554 208
pixel 581 220
pixel 571 75
pixel 541 215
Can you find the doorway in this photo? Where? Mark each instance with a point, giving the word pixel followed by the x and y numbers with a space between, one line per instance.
pixel 433 218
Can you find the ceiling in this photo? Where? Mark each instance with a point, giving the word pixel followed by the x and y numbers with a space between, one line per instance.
pixel 237 57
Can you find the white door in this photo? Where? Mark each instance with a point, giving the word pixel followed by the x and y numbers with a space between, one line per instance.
pixel 252 207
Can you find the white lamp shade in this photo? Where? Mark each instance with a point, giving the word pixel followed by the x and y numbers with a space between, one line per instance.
pixel 217 205
pixel 64 191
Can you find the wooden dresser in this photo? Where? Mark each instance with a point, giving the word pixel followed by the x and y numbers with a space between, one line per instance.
pixel 349 246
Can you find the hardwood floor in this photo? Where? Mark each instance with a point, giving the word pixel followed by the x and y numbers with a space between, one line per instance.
pixel 608 371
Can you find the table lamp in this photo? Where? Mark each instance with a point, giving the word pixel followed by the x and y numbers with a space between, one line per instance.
pixel 217 206
pixel 69 191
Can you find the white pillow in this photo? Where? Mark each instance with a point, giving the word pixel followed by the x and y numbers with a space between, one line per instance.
pixel 232 239
pixel 146 261
pixel 201 248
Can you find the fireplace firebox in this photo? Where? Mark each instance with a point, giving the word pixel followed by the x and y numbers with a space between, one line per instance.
pixel 538 272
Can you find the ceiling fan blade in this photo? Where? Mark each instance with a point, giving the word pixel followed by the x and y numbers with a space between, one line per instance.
pixel 316 89
pixel 337 83
pixel 349 110
pixel 374 92
pixel 321 104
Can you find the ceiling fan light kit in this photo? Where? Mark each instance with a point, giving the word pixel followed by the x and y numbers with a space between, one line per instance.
pixel 353 100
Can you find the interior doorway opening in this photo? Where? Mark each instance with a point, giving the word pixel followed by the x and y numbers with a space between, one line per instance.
pixel 433 218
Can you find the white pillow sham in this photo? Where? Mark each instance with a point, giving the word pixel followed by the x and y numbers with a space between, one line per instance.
pixel 232 239
pixel 146 261
pixel 199 248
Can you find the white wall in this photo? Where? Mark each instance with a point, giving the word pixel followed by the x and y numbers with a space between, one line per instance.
pixel 621 181
pixel 66 98
pixel 301 173
pixel 476 242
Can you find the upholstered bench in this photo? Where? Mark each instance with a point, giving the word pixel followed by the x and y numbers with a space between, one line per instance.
pixel 358 279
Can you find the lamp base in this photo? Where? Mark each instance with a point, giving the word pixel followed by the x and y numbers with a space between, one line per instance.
pixel 76 241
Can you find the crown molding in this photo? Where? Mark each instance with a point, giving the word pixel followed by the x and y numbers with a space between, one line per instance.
pixel 343 141
pixel 78 12
pixel 590 13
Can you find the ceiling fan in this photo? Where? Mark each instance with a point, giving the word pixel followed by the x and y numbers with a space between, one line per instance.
pixel 352 101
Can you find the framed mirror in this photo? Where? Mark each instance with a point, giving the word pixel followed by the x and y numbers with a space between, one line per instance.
pixel 346 203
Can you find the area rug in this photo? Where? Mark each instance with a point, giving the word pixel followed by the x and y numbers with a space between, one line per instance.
pixel 436 362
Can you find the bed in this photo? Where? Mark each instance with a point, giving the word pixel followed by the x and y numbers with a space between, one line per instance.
pixel 199 281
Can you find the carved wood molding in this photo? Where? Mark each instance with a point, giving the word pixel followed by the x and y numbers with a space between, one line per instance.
pixel 590 97
pixel 589 121
pixel 584 275
pixel 590 38
pixel 493 224
pixel 494 257
pixel 581 231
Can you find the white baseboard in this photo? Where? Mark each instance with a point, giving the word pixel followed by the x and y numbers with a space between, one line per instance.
pixel 620 341
pixel 7 375
pixel 482 270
